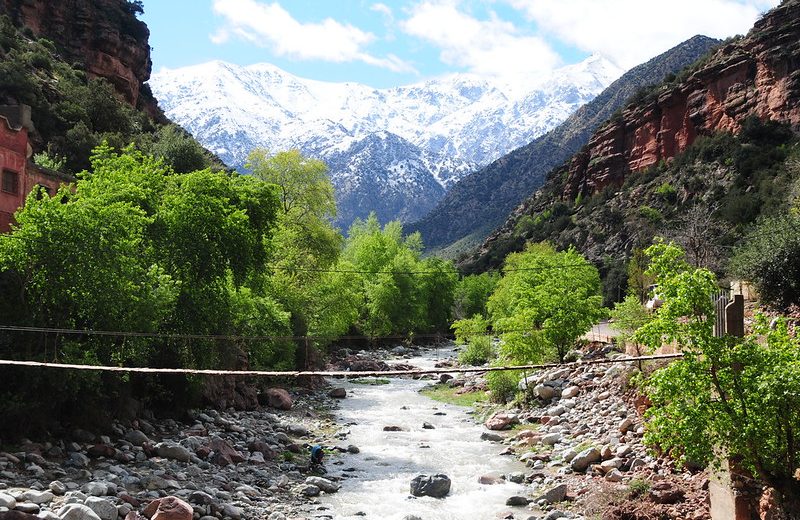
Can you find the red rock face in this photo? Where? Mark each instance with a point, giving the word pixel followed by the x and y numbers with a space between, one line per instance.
pixel 756 76
pixel 103 35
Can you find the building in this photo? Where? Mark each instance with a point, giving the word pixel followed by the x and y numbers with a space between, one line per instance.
pixel 19 174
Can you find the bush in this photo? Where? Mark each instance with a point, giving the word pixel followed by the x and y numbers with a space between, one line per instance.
pixel 768 258
pixel 478 351
pixel 503 384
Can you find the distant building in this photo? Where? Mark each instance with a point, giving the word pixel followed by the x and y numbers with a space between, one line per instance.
pixel 19 174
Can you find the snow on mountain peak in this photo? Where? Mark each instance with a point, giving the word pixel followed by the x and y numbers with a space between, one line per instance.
pixel 437 131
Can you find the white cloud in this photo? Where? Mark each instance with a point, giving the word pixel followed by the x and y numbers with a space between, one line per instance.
pixel 488 47
pixel 630 32
pixel 270 25
pixel 384 9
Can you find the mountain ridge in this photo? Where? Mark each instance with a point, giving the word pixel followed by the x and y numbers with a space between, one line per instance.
pixel 482 201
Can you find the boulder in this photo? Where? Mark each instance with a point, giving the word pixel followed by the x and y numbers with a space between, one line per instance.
pixel 554 495
pixel 501 421
pixel 324 484
pixel 77 512
pixel 570 392
pixel 38 497
pixel 224 454
pixel 428 426
pixel 517 501
pixel 17 515
pixel 437 486
pixel 277 398
pixel 544 392
pixel 666 493
pixel 338 393
pixel 170 450
pixel 392 429
pixel 103 508
pixel 7 501
pixel 583 459
pixel 168 508
pixel 136 437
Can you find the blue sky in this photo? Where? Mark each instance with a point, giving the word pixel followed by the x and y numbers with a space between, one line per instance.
pixel 388 43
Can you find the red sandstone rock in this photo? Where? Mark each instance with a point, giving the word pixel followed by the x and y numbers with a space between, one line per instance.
pixel 224 454
pixel 168 508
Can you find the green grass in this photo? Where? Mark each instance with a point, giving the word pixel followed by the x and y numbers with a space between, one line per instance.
pixel 447 394
pixel 370 381
pixel 526 426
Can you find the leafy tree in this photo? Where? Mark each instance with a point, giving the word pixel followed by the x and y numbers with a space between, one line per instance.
pixel 472 293
pixel 768 257
pixel 179 150
pixel 629 315
pixel 738 397
pixel 545 301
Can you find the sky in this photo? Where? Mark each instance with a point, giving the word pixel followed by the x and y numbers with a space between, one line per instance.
pixel 397 42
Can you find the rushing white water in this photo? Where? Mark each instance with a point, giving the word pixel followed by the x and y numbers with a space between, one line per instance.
pixel 378 478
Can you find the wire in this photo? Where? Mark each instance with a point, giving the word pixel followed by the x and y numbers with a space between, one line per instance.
pixel 338 373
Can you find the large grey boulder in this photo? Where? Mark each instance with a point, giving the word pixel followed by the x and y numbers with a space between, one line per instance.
pixel 77 512
pixel 585 458
pixel 437 486
pixel 324 484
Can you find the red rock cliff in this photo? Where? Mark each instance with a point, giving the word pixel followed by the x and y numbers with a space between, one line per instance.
pixel 104 35
pixel 757 75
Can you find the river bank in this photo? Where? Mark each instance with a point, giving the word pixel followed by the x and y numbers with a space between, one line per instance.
pixel 574 451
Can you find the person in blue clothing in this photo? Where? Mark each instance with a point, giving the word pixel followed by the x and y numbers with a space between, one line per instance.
pixel 317 454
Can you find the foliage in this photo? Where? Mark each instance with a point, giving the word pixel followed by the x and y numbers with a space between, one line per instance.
pixel 477 352
pixel 502 384
pixel 629 315
pixel 466 328
pixel 768 258
pixel 726 395
pixel 401 293
pixel 46 160
pixel 134 247
pixel 472 293
pixel 545 301
pixel 178 150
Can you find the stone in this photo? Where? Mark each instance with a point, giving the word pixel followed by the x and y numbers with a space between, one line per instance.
pixel 614 475
pixel 78 459
pixel 102 450
pixel 443 378
pixel 97 489
pixel 102 508
pixel 551 439
pixel 490 480
pixel 58 487
pixel 517 501
pixel 309 490
pixel 18 515
pixel 501 421
pixel 611 464
pixel 353 449
pixel 428 426
pixel 324 484
pixel 8 501
pixel 553 515
pixel 489 436
pixel 168 508
pixel 77 512
pixel 583 459
pixel 437 486
pixel 277 398
pixel 170 450
pixel 570 392
pixel 38 497
pixel 224 454
pixel 136 437
pixel 133 515
pixel 554 495
pixel 231 511
pixel 392 429
pixel 625 425
pixel 28 507
pixel 544 392
pixel 338 393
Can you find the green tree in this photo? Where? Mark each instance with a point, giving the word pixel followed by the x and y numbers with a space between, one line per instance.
pixel 545 301
pixel 738 397
pixel 472 293
pixel 768 258
pixel 179 150
pixel 629 315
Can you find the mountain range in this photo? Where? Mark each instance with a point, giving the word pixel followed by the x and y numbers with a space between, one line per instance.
pixel 481 202
pixel 395 151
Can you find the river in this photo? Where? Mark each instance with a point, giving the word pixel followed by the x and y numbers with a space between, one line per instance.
pixel 376 480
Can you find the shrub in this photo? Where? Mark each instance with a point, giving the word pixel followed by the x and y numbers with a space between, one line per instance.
pixel 503 384
pixel 478 351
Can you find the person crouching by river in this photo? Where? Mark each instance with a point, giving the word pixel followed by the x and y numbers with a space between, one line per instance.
pixel 317 454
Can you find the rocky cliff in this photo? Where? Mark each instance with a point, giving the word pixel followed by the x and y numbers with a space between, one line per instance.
pixel 758 75
pixel 103 36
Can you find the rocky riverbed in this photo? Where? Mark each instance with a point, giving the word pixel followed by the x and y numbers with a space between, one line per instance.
pixel 578 441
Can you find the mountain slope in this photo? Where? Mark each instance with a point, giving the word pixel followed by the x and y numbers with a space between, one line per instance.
pixel 706 152
pixel 463 120
pixel 483 200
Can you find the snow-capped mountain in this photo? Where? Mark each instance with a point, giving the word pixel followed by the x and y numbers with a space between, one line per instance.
pixel 398 149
